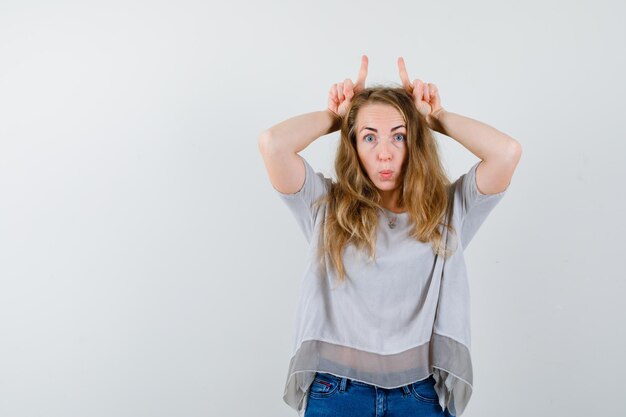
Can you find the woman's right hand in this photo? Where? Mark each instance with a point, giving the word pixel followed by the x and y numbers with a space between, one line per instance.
pixel 340 94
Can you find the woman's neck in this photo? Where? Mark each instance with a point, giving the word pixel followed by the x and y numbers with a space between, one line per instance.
pixel 390 199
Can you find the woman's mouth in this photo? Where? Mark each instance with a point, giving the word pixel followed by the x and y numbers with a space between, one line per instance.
pixel 386 174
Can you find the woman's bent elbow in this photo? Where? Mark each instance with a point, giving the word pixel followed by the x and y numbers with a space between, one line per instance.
pixel 263 140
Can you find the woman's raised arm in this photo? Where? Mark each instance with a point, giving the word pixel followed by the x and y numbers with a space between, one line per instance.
pixel 280 144
pixel 279 147
pixel 499 152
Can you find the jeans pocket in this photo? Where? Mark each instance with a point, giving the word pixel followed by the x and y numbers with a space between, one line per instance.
pixel 324 385
pixel 424 390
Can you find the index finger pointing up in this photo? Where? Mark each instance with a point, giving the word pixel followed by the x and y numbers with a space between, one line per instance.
pixel 404 76
pixel 360 81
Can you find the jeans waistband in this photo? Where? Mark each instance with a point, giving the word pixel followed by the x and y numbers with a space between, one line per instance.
pixel 344 381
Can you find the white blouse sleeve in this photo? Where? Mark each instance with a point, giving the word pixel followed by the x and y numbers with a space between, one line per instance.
pixel 472 206
pixel 301 202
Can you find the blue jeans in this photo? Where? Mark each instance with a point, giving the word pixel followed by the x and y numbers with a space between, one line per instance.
pixel 330 395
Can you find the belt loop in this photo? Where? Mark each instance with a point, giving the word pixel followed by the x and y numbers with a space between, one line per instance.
pixel 406 390
pixel 344 381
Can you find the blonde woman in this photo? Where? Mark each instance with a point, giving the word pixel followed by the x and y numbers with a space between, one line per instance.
pixel 382 324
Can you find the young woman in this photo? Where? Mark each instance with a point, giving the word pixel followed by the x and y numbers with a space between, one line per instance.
pixel 382 325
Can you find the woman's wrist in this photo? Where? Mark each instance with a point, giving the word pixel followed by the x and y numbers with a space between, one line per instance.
pixel 434 120
pixel 335 123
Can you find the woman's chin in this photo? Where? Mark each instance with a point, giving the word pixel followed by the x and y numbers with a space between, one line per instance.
pixel 386 185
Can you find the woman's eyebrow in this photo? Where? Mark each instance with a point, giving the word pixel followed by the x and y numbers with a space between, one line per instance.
pixel 371 128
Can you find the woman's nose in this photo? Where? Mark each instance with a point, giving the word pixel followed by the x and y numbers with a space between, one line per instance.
pixel 383 152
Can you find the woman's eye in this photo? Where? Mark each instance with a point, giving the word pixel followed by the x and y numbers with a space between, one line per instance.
pixel 401 136
pixel 368 136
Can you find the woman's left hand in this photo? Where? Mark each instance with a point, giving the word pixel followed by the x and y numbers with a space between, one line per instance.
pixel 425 96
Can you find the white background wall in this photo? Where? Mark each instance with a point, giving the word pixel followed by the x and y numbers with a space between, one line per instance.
pixel 148 269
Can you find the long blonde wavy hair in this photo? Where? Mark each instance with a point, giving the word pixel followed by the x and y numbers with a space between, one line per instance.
pixel 353 201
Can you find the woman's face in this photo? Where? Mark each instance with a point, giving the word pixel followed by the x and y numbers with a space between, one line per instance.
pixel 381 143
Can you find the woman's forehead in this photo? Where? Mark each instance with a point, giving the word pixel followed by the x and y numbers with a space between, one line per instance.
pixel 378 114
